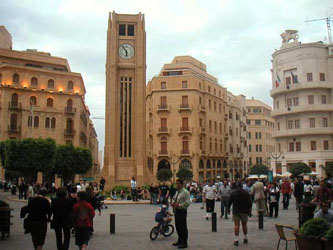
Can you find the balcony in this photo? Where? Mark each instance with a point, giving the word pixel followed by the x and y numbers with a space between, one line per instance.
pixel 203 152
pixel 14 129
pixel 303 108
pixel 299 86
pixel 70 111
pixel 304 131
pixel 185 153
pixel 69 132
pixel 163 153
pixel 163 131
pixel 185 130
pixel 202 131
pixel 185 107
pixel 202 108
pixel 14 106
pixel 163 107
pixel 226 116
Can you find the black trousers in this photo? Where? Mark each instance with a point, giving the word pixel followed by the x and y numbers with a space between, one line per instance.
pixel 62 245
pixel 275 206
pixel 181 226
pixel 210 206
pixel 285 201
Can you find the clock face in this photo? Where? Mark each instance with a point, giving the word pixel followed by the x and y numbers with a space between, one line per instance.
pixel 126 51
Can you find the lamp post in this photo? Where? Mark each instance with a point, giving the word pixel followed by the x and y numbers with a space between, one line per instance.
pixel 276 156
pixel 174 161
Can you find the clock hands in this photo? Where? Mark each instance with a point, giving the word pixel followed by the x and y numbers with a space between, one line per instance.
pixel 125 50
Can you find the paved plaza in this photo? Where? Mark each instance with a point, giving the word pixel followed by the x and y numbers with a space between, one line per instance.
pixel 134 222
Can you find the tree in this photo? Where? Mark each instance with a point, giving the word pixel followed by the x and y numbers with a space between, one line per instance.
pixel 259 170
pixel 185 174
pixel 329 169
pixel 83 160
pixel 164 174
pixel 299 168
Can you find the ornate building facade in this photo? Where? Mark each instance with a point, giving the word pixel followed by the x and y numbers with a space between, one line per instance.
pixel 41 97
pixel 302 84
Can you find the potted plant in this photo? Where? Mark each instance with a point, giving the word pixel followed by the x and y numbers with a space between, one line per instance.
pixel 328 239
pixel 310 234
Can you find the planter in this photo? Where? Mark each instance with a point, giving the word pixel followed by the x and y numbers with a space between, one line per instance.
pixel 328 244
pixel 306 212
pixel 309 243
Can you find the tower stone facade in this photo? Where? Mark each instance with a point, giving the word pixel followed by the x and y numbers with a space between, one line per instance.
pixel 125 99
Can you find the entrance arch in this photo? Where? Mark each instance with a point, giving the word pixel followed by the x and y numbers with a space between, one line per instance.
pixel 163 164
pixel 185 164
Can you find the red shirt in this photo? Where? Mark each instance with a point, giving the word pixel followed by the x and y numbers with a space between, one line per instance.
pixel 286 188
pixel 83 213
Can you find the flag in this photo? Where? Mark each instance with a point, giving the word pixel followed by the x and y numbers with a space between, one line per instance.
pixel 294 77
pixel 277 81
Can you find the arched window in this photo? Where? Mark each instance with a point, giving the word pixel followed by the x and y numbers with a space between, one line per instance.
pixel 201 164
pixel 208 164
pixel 36 121
pixel 29 121
pixel 33 101
pixel 34 81
pixel 53 122
pixel 14 100
pixel 185 164
pixel 219 165
pixel 69 103
pixel 164 145
pixel 70 85
pixel 13 122
pixel 47 122
pixel 49 102
pixel 50 84
pixel 69 125
pixel 185 145
pixel 16 78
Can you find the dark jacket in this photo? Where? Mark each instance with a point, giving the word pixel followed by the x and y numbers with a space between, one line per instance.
pixel 61 209
pixel 299 189
pixel 240 201
pixel 38 209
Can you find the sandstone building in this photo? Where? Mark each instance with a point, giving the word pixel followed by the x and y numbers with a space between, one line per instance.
pixel 41 97
pixel 302 84
pixel 260 129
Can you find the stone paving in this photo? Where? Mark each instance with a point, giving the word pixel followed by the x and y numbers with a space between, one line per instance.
pixel 133 225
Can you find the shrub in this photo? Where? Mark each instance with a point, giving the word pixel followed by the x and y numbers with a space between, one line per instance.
pixel 164 174
pixel 329 234
pixel 119 188
pixel 314 228
pixel 145 186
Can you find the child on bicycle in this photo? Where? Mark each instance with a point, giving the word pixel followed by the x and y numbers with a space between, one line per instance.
pixel 162 214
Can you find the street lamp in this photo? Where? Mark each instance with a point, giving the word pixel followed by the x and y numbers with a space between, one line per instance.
pixel 276 156
pixel 174 161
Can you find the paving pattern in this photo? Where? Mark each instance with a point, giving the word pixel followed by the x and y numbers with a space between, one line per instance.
pixel 134 222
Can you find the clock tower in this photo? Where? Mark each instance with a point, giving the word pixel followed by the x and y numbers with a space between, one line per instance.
pixel 124 154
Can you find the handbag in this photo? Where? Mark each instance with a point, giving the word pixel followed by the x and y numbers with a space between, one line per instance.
pixel 27 225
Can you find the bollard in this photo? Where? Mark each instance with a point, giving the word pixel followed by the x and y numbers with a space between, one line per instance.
pixel 112 223
pixel 214 226
pixel 261 219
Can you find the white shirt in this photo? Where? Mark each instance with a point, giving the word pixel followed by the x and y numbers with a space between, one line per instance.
pixel 133 184
pixel 307 188
pixel 210 192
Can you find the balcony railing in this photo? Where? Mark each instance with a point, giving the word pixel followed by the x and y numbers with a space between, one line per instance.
pixel 302 108
pixel 163 107
pixel 163 153
pixel 303 131
pixel 70 110
pixel 226 116
pixel 185 152
pixel 14 129
pixel 203 152
pixel 202 108
pixel 185 130
pixel 14 106
pixel 185 107
pixel 299 86
pixel 202 131
pixel 163 130
pixel 69 132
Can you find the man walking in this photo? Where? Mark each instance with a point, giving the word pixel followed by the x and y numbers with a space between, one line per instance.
pixel 224 194
pixel 286 191
pixel 180 205
pixel 298 192
pixel 241 208
pixel 257 190
pixel 209 195
pixel 102 184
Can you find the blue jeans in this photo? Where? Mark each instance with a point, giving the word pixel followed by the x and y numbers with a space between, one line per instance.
pixel 224 206
pixel 285 201
pixel 154 198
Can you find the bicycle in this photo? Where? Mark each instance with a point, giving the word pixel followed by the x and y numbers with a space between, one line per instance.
pixel 167 230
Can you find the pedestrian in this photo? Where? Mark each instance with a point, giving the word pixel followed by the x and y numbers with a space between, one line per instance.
pixel 61 208
pixel 21 190
pixel 84 185
pixel 223 193
pixel 286 191
pixel 82 213
pixel 298 192
pixel 102 184
pixel 133 190
pixel 94 202
pixel 154 193
pixel 209 196
pixel 257 190
pixel 164 191
pixel 39 215
pixel 307 189
pixel 241 203
pixel 180 204
pixel 273 200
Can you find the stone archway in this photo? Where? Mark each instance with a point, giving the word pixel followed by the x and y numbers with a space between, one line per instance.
pixel 185 164
pixel 163 164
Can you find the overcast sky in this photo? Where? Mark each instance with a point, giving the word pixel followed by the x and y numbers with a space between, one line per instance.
pixel 234 38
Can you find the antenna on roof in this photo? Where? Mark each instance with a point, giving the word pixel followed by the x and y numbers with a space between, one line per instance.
pixel 328 19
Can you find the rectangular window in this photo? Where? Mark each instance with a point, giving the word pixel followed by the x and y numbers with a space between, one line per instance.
pixel 250 148
pixel 184 84
pixel 210 126
pixel 164 123
pixel 163 101
pixel 199 85
pixel 325 122
pixel 130 30
pixel 296 101
pixel 184 101
pixel 257 122
pixel 309 77
pixel 200 123
pixel 291 147
pixel 322 77
pixel 295 79
pixel 209 89
pixel 210 104
pixel 163 85
pixel 185 123
pixel 323 99
pixel 313 145
pixel 289 102
pixel 326 147
pixel 311 99
pixel 257 148
pixel 297 124
pixel 312 122
pixel 288 80
pixel 215 126
pixel 220 107
pixel 249 135
pixel 220 128
pixel 278 125
pixel 298 146
pixel 290 124
pixel 277 104
pixel 200 100
pixel 122 29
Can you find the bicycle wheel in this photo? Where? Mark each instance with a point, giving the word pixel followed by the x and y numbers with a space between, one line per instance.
pixel 168 230
pixel 154 233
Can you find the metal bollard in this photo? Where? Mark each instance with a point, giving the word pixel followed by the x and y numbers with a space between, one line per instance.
pixel 214 225
pixel 112 223
pixel 261 219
